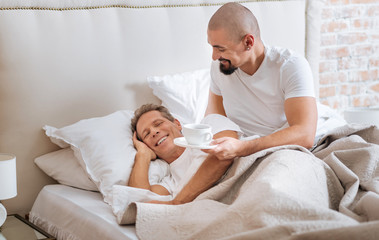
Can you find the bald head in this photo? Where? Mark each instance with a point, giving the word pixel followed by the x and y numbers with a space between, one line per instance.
pixel 236 20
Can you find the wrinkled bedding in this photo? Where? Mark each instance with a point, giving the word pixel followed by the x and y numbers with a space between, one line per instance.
pixel 284 192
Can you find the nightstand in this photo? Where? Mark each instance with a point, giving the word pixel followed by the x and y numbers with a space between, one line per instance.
pixel 17 228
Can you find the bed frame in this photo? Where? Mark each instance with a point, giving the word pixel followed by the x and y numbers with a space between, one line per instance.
pixel 62 61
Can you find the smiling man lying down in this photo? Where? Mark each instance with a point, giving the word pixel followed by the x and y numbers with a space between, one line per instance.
pixel 154 131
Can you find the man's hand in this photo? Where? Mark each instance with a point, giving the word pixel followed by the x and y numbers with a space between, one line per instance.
pixel 139 177
pixel 142 148
pixel 227 148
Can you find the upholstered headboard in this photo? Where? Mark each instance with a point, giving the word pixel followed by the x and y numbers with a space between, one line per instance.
pixel 62 61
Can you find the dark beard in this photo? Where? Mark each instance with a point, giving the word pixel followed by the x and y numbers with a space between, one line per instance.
pixel 229 70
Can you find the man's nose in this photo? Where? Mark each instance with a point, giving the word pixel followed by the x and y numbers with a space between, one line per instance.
pixel 155 132
pixel 215 55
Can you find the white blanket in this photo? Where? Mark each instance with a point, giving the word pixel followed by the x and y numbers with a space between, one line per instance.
pixel 281 192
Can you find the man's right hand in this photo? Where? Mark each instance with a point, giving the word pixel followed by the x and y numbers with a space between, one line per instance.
pixel 142 148
pixel 227 148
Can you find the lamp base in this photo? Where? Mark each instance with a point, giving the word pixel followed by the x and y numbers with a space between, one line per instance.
pixel 3 214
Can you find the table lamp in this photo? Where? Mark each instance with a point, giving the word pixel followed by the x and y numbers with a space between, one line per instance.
pixel 8 181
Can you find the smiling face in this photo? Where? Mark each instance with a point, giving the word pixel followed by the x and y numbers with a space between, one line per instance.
pixel 233 32
pixel 230 54
pixel 158 133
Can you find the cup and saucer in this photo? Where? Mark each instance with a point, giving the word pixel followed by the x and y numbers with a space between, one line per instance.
pixel 196 135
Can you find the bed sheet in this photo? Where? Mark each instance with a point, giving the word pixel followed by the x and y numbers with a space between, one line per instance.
pixel 69 213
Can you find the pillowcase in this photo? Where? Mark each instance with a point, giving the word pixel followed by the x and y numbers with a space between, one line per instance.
pixel 63 166
pixel 103 147
pixel 185 94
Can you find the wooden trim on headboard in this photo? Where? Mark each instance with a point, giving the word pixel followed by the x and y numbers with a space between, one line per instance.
pixel 134 6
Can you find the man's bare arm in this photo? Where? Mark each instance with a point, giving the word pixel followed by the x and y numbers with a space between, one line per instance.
pixel 215 105
pixel 139 177
pixel 301 115
pixel 207 175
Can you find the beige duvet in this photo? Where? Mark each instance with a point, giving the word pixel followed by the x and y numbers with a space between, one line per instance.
pixel 281 193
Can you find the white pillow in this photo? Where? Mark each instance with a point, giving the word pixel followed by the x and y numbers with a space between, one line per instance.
pixel 63 166
pixel 103 147
pixel 185 95
pixel 328 119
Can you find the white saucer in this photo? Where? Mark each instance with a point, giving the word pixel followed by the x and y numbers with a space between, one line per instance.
pixel 181 141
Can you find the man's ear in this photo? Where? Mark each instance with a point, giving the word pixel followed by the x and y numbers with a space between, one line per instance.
pixel 248 40
pixel 177 123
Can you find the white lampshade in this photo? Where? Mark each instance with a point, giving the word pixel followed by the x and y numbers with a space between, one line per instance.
pixel 8 177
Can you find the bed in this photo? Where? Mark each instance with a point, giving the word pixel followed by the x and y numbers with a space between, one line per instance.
pixel 71 74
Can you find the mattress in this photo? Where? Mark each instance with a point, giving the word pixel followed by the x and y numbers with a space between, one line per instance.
pixel 70 213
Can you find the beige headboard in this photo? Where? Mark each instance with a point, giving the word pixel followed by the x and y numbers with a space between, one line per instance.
pixel 62 61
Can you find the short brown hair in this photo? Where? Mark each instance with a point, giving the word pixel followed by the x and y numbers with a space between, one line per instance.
pixel 148 108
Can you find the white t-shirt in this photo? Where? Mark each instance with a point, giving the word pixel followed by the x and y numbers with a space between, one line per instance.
pixel 183 168
pixel 256 103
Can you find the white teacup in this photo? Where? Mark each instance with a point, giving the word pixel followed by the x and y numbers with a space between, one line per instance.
pixel 197 134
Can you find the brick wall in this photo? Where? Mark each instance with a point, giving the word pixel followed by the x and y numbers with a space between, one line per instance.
pixel 349 53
